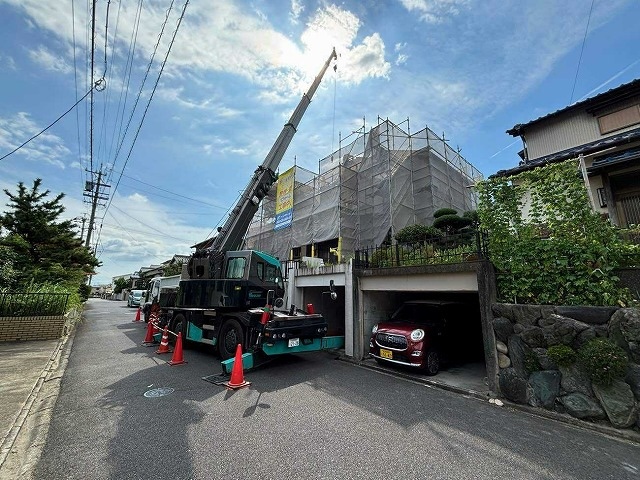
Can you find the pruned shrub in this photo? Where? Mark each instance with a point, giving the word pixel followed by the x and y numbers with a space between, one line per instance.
pixel 562 355
pixel 603 360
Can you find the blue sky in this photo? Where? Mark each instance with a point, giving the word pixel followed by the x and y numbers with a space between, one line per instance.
pixel 236 70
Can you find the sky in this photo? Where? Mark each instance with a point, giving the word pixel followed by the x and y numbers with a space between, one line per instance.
pixel 190 98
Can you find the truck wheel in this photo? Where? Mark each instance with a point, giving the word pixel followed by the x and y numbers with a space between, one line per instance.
pixel 178 325
pixel 230 336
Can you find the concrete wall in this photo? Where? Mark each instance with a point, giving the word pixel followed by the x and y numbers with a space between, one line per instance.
pixel 31 328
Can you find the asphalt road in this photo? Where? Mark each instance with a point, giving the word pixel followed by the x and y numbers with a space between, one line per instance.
pixel 305 416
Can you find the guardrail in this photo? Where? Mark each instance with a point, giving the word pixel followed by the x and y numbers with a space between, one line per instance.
pixel 33 304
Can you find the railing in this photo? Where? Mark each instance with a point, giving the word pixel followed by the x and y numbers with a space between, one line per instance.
pixel 463 247
pixel 33 304
pixel 286 265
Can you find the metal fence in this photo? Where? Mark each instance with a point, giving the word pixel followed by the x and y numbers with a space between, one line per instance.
pixel 33 304
pixel 462 247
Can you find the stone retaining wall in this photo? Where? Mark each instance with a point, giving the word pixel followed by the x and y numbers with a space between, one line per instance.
pixel 31 328
pixel 527 375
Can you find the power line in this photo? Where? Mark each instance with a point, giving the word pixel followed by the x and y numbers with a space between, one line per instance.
pixel 99 82
pixel 184 8
pixel 173 193
pixel 584 40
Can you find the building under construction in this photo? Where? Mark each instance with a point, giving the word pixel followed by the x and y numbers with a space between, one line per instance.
pixel 366 191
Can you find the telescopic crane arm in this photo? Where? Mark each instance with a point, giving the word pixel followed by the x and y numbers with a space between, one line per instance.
pixel 232 233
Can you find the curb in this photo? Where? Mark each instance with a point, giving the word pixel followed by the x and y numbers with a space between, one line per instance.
pixel 625 435
pixel 51 367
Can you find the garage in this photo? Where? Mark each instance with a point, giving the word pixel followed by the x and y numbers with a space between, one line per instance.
pixel 463 361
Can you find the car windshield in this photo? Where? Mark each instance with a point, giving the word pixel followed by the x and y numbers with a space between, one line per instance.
pixel 137 294
pixel 418 313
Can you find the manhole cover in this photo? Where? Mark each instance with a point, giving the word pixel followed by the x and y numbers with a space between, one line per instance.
pixel 158 392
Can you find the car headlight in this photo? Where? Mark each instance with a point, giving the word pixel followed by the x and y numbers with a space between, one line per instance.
pixel 417 335
pixel 374 329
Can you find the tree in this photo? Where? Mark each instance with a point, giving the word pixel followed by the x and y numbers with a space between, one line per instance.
pixel 448 220
pixel 120 284
pixel 41 248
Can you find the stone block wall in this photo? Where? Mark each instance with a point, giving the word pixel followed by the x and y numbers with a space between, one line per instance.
pixel 527 375
pixel 31 328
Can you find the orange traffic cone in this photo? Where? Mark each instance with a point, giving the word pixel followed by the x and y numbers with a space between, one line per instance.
pixel 137 315
pixel 164 343
pixel 177 359
pixel 237 376
pixel 148 340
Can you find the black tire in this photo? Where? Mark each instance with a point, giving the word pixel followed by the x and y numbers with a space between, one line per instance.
pixel 178 325
pixel 231 334
pixel 432 362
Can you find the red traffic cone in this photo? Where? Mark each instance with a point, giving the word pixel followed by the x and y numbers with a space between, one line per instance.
pixel 237 376
pixel 137 315
pixel 164 343
pixel 177 359
pixel 148 340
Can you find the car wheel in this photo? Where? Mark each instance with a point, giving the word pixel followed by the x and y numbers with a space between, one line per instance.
pixel 230 336
pixel 432 362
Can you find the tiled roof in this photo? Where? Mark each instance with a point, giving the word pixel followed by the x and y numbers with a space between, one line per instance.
pixel 632 87
pixel 620 139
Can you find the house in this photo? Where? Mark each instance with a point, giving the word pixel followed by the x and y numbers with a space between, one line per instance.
pixel 604 133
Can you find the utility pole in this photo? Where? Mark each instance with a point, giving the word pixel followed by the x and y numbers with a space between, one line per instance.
pixel 96 192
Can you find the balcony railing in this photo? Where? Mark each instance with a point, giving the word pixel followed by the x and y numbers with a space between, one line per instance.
pixel 33 304
pixel 462 247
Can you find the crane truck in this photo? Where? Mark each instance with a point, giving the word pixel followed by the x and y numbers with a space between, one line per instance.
pixel 234 296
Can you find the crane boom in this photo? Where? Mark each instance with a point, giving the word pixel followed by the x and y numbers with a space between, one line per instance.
pixel 232 233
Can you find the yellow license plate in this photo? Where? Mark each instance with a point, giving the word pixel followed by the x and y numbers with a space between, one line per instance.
pixel 386 353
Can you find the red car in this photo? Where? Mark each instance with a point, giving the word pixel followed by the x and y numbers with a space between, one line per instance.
pixel 416 335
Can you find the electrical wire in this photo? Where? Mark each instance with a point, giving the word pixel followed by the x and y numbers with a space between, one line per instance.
pixel 144 80
pixel 173 193
pixel 584 40
pixel 51 124
pixel 153 91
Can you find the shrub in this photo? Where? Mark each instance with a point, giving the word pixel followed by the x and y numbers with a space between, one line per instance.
pixel 603 360
pixel 562 355
pixel 444 211
pixel 417 233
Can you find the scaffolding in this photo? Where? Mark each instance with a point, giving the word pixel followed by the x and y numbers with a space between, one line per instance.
pixel 366 191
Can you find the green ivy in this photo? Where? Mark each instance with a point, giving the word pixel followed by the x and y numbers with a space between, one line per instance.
pixel 561 252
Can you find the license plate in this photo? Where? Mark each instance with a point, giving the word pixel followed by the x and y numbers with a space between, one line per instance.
pixel 386 353
pixel 294 342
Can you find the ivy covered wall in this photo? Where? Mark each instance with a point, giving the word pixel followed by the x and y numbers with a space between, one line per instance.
pixel 547 244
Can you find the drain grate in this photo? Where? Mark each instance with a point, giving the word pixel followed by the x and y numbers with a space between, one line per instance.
pixel 158 392
pixel 216 379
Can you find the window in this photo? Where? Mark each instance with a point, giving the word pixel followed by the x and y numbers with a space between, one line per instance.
pixel 235 267
pixel 620 119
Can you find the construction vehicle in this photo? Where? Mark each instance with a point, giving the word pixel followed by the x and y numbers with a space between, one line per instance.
pixel 235 296
pixel 158 294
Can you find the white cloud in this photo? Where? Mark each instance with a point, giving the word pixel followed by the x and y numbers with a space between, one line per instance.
pixel 435 11
pixel 46 147
pixel 296 10
pixel 7 62
pixel 401 59
pixel 49 60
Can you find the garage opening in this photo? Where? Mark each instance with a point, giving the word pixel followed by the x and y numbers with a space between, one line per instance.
pixel 427 334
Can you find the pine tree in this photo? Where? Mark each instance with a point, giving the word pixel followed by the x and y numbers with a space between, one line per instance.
pixel 42 249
